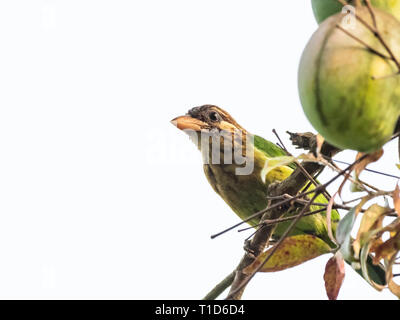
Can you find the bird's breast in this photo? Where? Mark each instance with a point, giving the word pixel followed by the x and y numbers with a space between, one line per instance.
pixel 245 194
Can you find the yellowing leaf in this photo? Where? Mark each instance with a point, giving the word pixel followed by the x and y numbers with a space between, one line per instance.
pixel 372 219
pixel 274 163
pixel 292 252
pixel 334 276
pixel 394 288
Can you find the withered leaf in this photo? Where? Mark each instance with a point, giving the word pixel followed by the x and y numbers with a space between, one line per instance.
pixel 372 219
pixel 372 157
pixel 387 249
pixel 320 142
pixel 334 276
pixel 396 199
pixel 293 251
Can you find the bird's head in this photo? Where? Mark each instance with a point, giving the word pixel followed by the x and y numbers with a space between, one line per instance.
pixel 207 118
pixel 214 131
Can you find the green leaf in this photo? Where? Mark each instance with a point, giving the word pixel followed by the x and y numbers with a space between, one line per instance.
pixel 292 252
pixel 354 187
pixel 345 226
pixel 343 234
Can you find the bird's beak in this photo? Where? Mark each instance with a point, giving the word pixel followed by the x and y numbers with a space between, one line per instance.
pixel 188 123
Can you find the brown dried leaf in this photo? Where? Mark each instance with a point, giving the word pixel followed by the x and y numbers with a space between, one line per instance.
pixel 381 248
pixel 387 249
pixel 375 245
pixel 334 276
pixel 292 252
pixel 320 142
pixel 372 157
pixel 396 199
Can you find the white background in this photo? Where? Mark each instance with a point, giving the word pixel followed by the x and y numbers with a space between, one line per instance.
pixel 100 196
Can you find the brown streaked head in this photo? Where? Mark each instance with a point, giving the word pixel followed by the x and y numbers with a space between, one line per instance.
pixel 207 117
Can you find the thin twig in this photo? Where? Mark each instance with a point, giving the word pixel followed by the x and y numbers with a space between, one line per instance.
pixel 379 193
pixel 232 293
pixel 334 167
pixel 314 182
pixel 279 139
pixel 390 213
pixel 276 221
pixel 370 170
pixel 371 11
pixel 363 43
pixel 298 196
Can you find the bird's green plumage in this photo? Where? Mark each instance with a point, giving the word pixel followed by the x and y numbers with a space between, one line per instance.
pixel 247 194
pixel 269 149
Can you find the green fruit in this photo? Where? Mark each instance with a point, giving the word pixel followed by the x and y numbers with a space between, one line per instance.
pixel 339 95
pixel 326 8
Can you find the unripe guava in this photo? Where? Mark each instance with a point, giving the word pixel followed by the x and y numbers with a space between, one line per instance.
pixel 350 95
pixel 326 8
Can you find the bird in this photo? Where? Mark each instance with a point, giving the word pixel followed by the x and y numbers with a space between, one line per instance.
pixel 226 146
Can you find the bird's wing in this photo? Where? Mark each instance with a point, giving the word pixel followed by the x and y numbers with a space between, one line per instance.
pixel 270 149
pixel 308 223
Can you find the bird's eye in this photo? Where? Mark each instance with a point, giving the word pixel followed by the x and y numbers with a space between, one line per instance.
pixel 213 116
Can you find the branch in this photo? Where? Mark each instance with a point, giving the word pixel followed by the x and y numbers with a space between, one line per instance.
pixel 220 287
pixel 238 290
